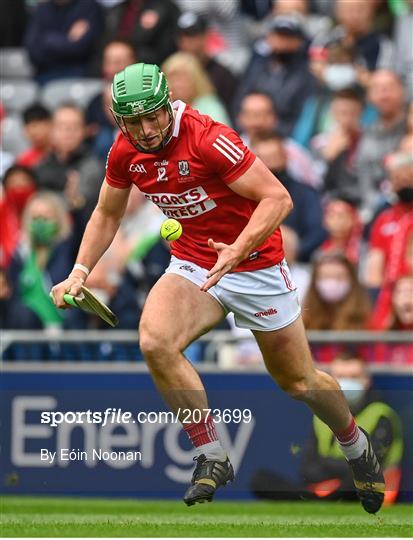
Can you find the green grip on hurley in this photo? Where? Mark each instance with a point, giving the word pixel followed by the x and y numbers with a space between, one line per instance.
pixel 68 298
pixel 71 300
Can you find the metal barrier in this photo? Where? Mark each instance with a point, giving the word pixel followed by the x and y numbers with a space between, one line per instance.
pixel 105 346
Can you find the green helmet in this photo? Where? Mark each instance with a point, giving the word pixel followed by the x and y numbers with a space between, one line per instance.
pixel 139 90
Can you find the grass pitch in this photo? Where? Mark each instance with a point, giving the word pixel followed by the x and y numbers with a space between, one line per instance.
pixel 59 517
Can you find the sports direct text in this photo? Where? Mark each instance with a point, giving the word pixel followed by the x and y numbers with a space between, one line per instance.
pixel 185 205
pixel 118 416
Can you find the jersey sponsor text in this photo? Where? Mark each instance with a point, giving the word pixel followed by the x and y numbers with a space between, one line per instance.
pixel 190 203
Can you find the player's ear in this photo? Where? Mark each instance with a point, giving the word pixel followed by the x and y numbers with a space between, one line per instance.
pixel 170 95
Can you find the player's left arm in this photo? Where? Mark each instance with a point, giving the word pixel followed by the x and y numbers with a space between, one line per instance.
pixel 274 204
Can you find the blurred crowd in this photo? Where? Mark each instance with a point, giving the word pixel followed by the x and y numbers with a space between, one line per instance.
pixel 321 91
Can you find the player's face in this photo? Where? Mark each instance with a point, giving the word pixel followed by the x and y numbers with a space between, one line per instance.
pixel 148 131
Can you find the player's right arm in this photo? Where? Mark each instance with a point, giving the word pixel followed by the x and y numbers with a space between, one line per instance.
pixel 99 233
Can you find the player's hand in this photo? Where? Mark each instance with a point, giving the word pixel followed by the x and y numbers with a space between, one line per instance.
pixel 72 285
pixel 228 258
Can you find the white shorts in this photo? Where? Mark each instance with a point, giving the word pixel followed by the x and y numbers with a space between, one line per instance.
pixel 260 300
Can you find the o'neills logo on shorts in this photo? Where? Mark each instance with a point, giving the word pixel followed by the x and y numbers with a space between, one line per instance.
pixel 185 205
pixel 270 311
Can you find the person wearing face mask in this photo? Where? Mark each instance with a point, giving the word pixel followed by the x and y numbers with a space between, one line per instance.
pixel 335 299
pixel 336 68
pixel 389 242
pixel 279 66
pixel 340 76
pixel 42 257
pixel 19 184
pixel 323 472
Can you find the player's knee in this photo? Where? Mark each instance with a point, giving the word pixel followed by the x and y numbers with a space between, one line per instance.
pixel 153 346
pixel 296 388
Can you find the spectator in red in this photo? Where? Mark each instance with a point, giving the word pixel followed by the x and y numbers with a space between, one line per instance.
pixel 394 311
pixel 37 127
pixel 19 184
pixel 398 313
pixel 389 239
pixel 344 228
pixel 403 303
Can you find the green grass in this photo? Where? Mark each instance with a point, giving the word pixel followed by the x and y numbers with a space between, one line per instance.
pixel 29 516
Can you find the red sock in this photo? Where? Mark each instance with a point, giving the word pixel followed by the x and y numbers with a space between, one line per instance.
pixel 348 436
pixel 201 433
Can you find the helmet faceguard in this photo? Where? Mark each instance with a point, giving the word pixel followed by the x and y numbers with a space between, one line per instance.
pixel 141 106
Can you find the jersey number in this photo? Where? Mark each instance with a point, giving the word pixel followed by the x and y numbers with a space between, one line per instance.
pixel 162 174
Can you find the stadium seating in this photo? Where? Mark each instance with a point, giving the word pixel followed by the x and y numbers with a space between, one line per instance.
pixel 15 63
pixel 13 139
pixel 17 94
pixel 81 91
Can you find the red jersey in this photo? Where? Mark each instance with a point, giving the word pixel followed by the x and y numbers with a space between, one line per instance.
pixel 386 228
pixel 30 158
pixel 189 181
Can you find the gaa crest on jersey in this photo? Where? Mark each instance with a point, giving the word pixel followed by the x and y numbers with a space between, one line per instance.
pixel 183 167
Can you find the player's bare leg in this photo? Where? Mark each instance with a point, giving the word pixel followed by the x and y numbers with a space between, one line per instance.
pixel 288 358
pixel 176 312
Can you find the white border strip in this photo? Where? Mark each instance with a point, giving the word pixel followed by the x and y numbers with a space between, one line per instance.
pixel 141 367
pixel 179 106
pixel 224 153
